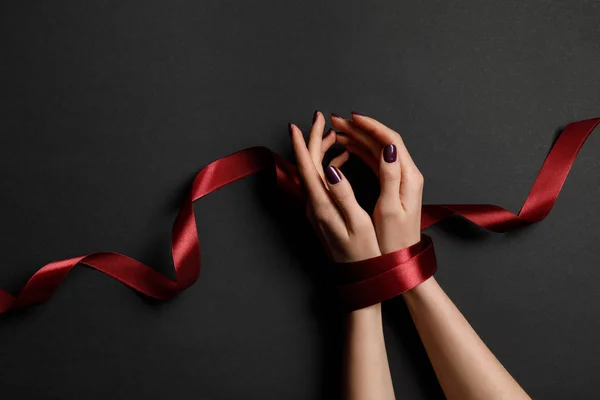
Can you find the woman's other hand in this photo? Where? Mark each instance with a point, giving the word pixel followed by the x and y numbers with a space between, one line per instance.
pixel 345 229
pixel 397 214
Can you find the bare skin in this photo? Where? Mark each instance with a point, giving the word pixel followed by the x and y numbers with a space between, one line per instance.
pixel 464 365
pixel 347 233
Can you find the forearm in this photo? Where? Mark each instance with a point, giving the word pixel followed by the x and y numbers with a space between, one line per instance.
pixel 367 374
pixel 465 367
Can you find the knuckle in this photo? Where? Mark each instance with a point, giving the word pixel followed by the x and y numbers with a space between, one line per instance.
pixel 361 216
pixel 361 221
pixel 416 177
pixel 342 195
pixel 389 175
pixel 389 208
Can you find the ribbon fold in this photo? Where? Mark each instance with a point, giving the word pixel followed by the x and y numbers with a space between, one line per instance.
pixel 362 284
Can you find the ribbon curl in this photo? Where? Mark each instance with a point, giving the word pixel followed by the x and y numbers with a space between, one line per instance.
pixel 362 284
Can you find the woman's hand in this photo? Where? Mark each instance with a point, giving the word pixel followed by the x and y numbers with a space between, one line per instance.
pixel 348 234
pixel 397 214
pixel 464 365
pixel 345 229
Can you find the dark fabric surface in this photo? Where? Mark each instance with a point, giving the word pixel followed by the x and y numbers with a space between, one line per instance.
pixel 107 110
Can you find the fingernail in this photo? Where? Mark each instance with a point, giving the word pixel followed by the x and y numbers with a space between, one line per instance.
pixel 333 175
pixel 334 115
pixel 315 116
pixel 359 114
pixel 290 128
pixel 327 133
pixel 389 153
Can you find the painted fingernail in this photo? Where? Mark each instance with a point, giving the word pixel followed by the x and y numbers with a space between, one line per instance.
pixel 334 115
pixel 327 133
pixel 315 116
pixel 333 175
pixel 389 153
pixel 359 114
pixel 290 128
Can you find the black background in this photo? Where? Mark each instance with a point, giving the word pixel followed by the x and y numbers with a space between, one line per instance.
pixel 109 108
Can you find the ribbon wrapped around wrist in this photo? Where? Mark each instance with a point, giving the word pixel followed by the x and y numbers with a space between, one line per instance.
pixel 372 281
pixel 362 284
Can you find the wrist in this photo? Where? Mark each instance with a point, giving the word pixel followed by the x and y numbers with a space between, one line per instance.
pixel 366 316
pixel 421 291
pixel 394 244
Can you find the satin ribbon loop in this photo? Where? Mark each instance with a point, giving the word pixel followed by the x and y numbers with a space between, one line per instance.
pixel 372 281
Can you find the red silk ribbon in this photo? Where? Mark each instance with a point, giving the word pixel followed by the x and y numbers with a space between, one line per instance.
pixel 367 282
pixel 362 284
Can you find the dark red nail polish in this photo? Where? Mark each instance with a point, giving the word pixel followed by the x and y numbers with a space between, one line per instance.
pixel 327 133
pixel 290 128
pixel 315 116
pixel 333 175
pixel 334 115
pixel 389 153
pixel 359 114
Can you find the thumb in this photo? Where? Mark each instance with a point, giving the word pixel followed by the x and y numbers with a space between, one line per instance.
pixel 389 175
pixel 343 195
